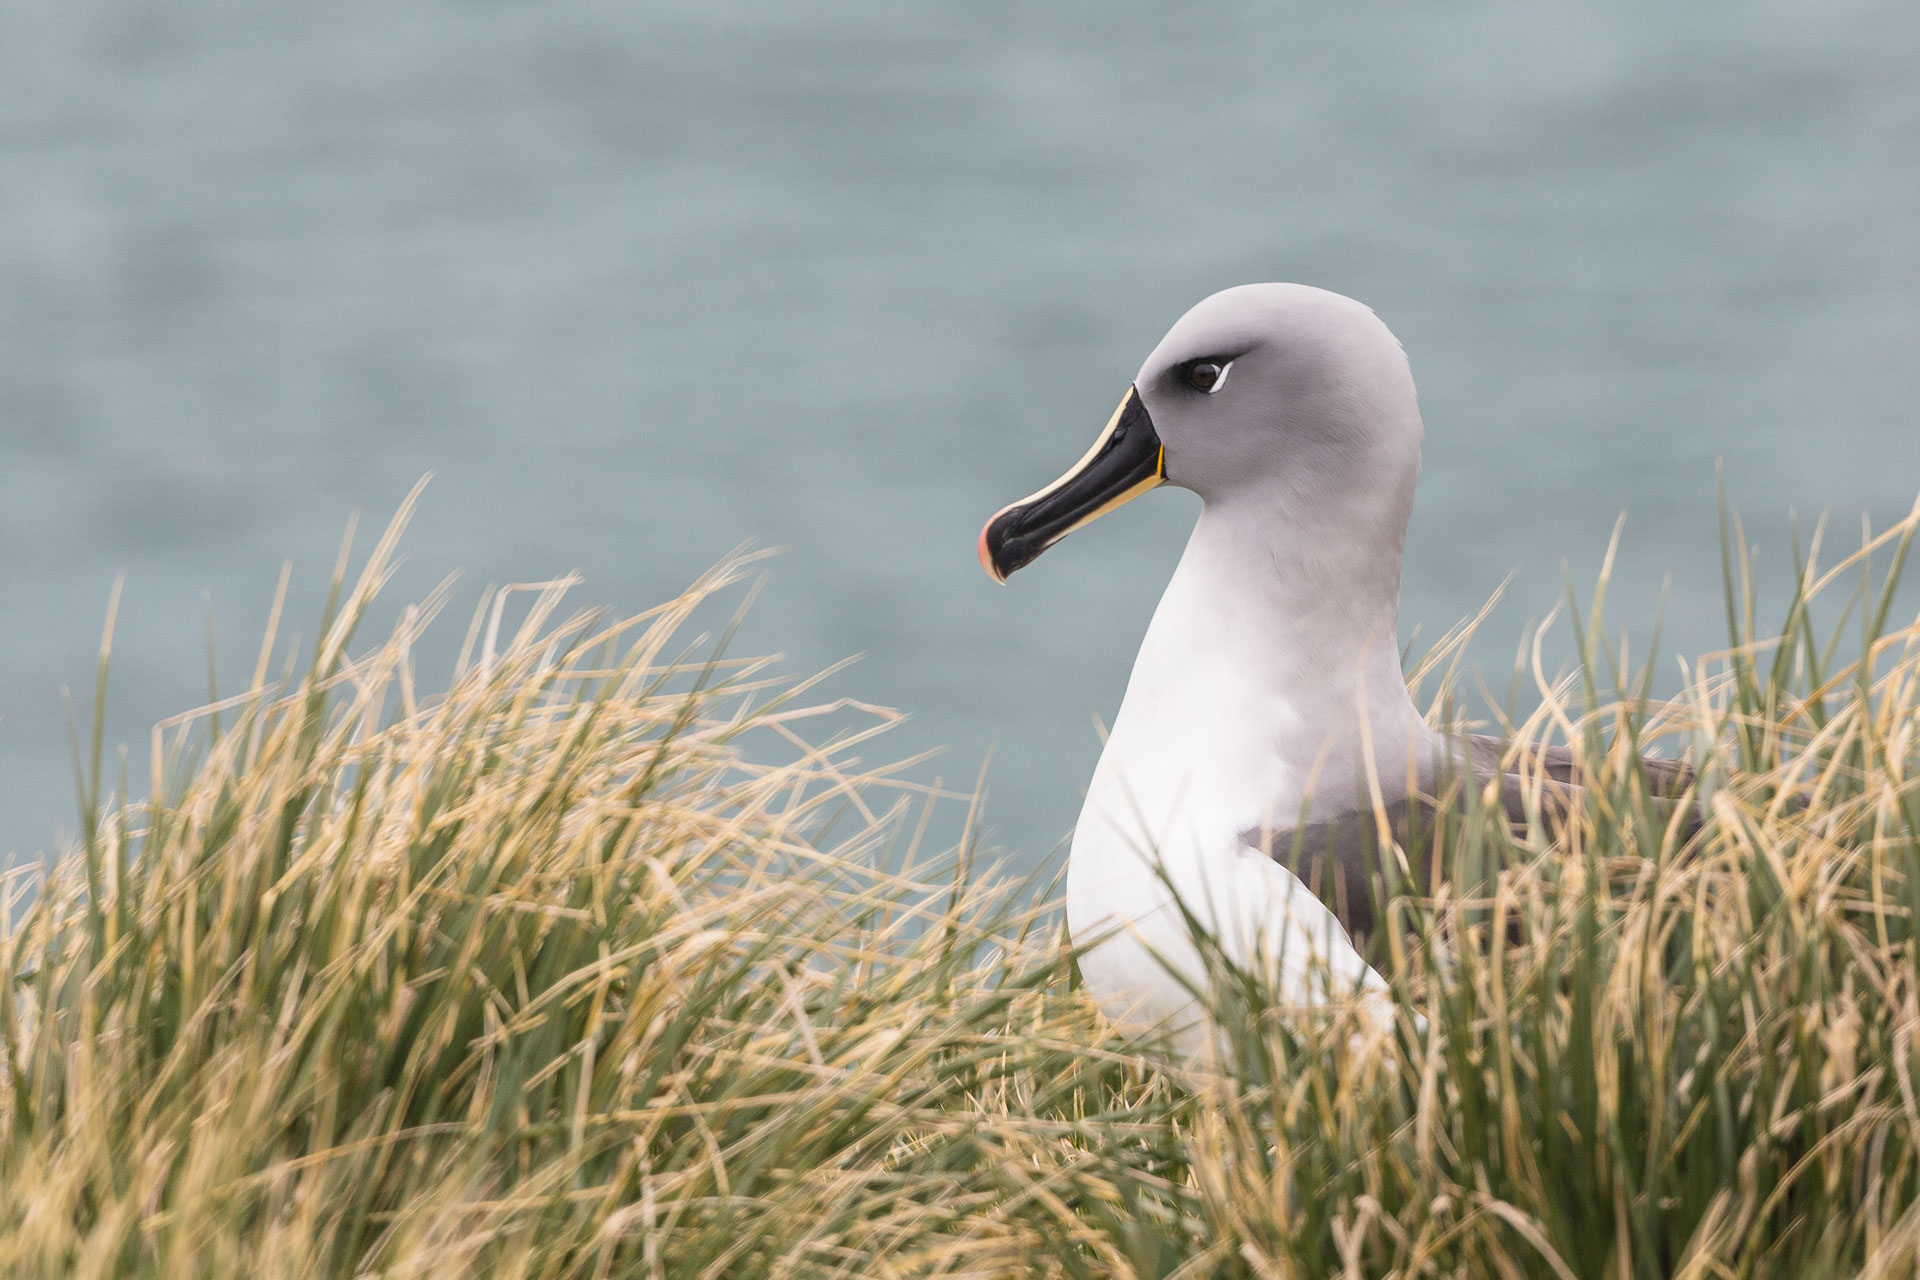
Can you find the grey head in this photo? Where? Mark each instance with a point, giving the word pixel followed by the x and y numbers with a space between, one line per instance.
pixel 1280 397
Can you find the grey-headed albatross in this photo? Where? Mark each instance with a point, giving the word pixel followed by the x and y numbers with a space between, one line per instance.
pixel 1267 713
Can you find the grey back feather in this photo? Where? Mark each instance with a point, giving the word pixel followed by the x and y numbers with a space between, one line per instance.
pixel 1339 856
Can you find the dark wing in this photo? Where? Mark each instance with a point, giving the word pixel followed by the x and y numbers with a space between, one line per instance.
pixel 1668 778
pixel 1336 856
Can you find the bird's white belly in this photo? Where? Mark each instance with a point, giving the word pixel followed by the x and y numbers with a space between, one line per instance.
pixel 1139 939
pixel 1135 849
pixel 1225 728
pixel 1143 838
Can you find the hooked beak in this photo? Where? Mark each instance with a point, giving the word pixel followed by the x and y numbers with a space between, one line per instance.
pixel 1126 461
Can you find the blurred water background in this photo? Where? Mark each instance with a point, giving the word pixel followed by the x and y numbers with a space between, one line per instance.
pixel 643 282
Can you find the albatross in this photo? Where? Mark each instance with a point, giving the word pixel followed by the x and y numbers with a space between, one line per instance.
pixel 1267 718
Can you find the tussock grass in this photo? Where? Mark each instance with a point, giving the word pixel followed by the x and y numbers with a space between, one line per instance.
pixel 617 958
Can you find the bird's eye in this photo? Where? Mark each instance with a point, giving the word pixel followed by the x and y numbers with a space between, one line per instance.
pixel 1208 374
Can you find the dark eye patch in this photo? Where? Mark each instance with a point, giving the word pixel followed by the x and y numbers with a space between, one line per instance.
pixel 1206 373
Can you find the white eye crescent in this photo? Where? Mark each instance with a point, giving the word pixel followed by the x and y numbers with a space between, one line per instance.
pixel 1208 373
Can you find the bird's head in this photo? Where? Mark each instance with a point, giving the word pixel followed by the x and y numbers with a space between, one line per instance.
pixel 1279 394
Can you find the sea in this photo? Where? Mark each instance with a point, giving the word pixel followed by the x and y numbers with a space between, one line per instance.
pixel 639 284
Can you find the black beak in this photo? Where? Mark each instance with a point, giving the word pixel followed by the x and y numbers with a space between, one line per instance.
pixel 1126 461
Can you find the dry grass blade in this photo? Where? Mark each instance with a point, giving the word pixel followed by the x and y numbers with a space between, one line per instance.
pixel 605 961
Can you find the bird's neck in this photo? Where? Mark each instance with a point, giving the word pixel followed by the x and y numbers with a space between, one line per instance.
pixel 1268 686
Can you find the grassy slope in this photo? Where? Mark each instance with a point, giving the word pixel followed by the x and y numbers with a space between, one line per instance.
pixel 585 968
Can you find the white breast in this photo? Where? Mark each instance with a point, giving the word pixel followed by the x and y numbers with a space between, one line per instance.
pixel 1121 888
pixel 1203 750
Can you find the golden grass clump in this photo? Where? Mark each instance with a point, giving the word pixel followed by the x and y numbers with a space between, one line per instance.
pixel 617 959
